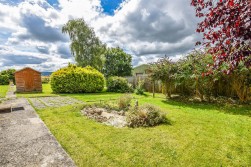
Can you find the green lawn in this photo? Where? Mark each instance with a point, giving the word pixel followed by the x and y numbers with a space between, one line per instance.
pixel 47 91
pixel 199 135
pixel 3 90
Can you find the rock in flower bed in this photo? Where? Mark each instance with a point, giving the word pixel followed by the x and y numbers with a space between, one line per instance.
pixel 122 114
pixel 143 116
pixel 106 116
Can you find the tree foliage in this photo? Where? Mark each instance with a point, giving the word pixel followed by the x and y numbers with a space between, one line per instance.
pixel 117 63
pixel 4 79
pixel 6 76
pixel 226 29
pixel 85 45
pixel 192 74
pixel 163 70
pixel 190 77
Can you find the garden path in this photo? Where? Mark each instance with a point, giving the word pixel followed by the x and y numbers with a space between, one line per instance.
pixel 11 92
pixel 25 140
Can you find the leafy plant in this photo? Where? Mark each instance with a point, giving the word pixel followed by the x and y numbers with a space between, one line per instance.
pixel 73 79
pixel 226 28
pixel 241 81
pixel 118 84
pixel 145 116
pixel 192 76
pixel 124 101
pixel 139 89
pixel 164 71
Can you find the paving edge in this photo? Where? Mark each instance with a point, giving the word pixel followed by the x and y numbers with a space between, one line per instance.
pixel 51 133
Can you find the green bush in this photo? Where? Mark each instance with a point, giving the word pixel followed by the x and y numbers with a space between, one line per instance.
pixel 139 89
pixel 124 102
pixel 6 76
pixel 145 116
pixel 4 79
pixel 73 79
pixel 118 84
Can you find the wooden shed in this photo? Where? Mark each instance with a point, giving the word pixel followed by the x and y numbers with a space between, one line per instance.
pixel 28 80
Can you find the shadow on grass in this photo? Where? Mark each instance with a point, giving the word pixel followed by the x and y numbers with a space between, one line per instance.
pixel 226 108
pixel 143 95
pixel 87 94
pixel 167 122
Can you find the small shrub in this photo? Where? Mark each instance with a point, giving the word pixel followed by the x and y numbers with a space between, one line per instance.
pixel 145 116
pixel 73 79
pixel 124 102
pixel 118 84
pixel 139 89
pixel 4 79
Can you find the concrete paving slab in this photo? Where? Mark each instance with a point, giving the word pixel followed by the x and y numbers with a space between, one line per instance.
pixel 26 141
pixel 59 101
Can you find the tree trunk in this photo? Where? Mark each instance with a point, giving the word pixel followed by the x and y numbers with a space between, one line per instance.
pixel 170 90
pixel 241 89
pixel 198 93
pixel 167 92
pixel 153 89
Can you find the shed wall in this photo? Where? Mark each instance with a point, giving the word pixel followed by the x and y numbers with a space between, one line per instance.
pixel 28 80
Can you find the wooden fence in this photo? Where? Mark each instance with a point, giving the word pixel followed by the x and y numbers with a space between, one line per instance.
pixel 147 83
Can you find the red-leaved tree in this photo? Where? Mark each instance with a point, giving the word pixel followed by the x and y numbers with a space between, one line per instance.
pixel 226 28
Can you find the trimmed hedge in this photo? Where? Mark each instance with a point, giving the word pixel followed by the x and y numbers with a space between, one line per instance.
pixel 118 84
pixel 73 79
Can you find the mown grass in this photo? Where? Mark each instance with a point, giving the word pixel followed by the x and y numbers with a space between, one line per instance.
pixel 47 91
pixel 3 90
pixel 95 97
pixel 199 135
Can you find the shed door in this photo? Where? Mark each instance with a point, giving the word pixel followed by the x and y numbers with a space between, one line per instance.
pixel 29 80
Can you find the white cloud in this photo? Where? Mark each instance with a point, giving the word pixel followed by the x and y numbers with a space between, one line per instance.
pixel 147 29
pixel 156 26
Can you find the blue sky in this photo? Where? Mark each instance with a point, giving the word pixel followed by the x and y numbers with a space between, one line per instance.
pixel 30 30
pixel 110 5
pixel 53 2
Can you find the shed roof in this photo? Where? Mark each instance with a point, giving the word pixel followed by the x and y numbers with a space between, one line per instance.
pixel 28 68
